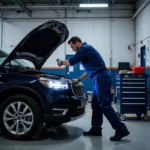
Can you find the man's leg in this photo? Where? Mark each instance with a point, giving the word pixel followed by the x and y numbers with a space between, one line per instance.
pixel 102 87
pixel 97 117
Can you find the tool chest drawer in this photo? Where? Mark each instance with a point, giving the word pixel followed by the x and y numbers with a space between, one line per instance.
pixel 131 91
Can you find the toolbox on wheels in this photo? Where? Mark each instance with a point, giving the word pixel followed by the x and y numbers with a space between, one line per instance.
pixel 131 90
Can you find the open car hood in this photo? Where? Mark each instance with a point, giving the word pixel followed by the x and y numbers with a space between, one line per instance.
pixel 40 43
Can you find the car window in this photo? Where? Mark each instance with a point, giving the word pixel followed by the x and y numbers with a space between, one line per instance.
pixel 1 60
pixel 16 62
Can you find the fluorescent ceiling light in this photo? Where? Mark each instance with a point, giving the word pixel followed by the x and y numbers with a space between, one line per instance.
pixel 93 5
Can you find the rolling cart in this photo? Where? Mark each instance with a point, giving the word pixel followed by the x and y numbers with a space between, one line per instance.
pixel 131 90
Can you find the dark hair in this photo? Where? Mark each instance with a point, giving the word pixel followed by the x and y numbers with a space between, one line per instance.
pixel 74 39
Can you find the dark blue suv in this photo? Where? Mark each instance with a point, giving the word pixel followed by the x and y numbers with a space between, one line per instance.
pixel 28 97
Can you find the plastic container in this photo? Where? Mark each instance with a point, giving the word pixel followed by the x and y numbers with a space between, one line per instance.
pixel 89 96
pixel 138 70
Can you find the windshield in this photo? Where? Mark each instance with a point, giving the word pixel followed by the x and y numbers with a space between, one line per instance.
pixel 3 56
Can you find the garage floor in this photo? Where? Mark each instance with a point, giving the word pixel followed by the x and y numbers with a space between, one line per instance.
pixel 69 137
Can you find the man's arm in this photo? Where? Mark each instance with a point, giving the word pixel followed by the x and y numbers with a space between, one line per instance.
pixel 79 56
pixel 65 62
pixel 84 76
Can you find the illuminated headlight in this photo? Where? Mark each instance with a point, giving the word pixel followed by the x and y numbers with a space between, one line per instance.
pixel 54 84
pixel 57 84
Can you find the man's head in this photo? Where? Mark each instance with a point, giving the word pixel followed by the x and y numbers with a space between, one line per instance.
pixel 75 43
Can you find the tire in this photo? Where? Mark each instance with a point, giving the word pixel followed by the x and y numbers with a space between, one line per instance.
pixel 146 117
pixel 22 124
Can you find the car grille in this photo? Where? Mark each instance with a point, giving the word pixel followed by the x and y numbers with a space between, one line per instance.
pixel 78 89
pixel 77 112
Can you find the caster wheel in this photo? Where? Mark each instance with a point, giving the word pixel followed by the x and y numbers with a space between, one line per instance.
pixel 146 117
pixel 122 117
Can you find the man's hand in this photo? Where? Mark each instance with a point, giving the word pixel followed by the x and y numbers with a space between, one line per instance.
pixel 59 62
pixel 75 81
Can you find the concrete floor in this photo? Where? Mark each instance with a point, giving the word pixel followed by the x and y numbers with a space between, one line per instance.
pixel 69 137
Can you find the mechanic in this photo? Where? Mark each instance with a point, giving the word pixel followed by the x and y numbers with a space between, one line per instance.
pixel 95 68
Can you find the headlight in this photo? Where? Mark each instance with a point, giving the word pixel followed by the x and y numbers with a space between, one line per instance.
pixel 54 84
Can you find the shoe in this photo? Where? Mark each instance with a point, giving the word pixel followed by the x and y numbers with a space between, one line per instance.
pixel 92 132
pixel 118 137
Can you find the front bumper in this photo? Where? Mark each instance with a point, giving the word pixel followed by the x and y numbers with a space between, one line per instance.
pixel 65 113
pixel 75 118
pixel 70 116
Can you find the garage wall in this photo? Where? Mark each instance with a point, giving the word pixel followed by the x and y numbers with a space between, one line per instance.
pixel 143 38
pixel 0 31
pixel 143 34
pixel 94 27
pixel 123 36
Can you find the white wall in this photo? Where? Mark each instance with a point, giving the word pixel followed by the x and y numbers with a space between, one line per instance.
pixel 0 33
pixel 0 30
pixel 95 28
pixel 143 32
pixel 122 37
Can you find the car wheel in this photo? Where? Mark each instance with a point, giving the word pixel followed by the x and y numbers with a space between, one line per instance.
pixel 20 117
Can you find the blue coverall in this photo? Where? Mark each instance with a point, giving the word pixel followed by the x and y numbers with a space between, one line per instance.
pixel 101 82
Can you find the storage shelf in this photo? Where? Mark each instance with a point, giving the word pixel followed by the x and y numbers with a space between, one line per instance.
pixel 133 87
pixel 132 83
pixel 134 92
pixel 133 103
pixel 133 79
pixel 133 98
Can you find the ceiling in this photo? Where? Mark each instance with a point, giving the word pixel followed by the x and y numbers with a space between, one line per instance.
pixel 64 2
pixel 28 6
